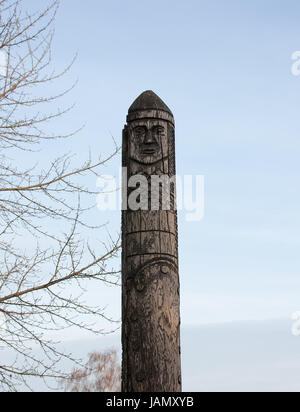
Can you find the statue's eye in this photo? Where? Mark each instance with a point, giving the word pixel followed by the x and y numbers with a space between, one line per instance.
pixel 159 130
pixel 139 131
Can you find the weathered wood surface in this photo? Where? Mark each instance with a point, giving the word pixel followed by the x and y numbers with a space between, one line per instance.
pixel 150 280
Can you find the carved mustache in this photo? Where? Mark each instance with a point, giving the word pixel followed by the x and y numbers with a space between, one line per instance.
pixel 149 148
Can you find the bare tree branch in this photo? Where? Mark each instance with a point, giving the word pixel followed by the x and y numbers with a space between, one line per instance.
pixel 46 263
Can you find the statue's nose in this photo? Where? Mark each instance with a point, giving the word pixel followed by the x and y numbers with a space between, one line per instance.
pixel 149 138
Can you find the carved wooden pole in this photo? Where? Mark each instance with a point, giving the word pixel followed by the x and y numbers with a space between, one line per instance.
pixel 150 281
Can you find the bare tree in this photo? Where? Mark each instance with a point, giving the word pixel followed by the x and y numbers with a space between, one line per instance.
pixel 43 210
pixel 102 373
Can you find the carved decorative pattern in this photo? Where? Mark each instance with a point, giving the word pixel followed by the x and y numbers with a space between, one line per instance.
pixel 150 281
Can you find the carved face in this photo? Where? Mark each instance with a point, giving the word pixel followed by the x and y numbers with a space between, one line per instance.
pixel 148 141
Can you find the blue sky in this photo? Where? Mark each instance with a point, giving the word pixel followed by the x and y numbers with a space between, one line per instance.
pixel 224 68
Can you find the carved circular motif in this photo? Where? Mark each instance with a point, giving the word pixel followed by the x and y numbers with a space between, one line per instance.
pixel 164 269
pixel 140 282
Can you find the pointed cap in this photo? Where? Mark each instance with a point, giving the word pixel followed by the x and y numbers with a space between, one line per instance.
pixel 148 101
pixel 148 104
